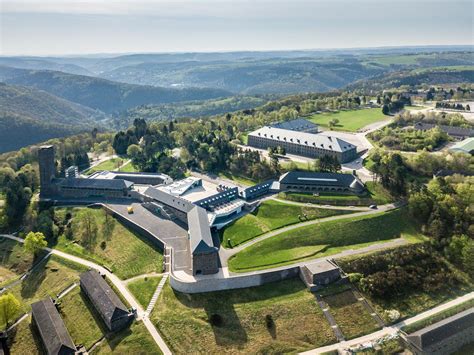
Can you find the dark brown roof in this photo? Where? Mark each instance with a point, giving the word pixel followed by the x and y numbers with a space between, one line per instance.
pixel 105 300
pixel 54 334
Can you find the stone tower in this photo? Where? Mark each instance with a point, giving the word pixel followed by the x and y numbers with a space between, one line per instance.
pixel 47 169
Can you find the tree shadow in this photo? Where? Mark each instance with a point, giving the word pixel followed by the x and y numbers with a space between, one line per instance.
pixel 33 281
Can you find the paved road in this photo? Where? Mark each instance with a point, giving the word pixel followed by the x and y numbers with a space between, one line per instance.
pixel 117 283
pixel 225 254
pixel 394 329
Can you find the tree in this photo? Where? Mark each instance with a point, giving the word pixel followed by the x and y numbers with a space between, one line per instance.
pixel 468 257
pixel 9 307
pixel 133 151
pixel 86 228
pixel 34 242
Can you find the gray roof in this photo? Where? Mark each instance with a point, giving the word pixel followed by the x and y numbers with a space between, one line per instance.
pixel 321 267
pixel 319 140
pixel 298 124
pixel 321 179
pixel 105 300
pixel 200 236
pixel 103 184
pixel 443 329
pixel 177 202
pixel 451 130
pixel 56 338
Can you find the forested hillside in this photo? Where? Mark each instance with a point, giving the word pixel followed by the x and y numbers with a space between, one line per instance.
pixel 29 116
pixel 105 95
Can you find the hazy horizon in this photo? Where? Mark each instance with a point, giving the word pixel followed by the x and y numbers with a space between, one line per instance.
pixel 107 27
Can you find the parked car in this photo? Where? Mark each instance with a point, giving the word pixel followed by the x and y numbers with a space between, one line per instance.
pixel 373 207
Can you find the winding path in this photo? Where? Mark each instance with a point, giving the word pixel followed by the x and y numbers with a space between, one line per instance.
pixel 117 283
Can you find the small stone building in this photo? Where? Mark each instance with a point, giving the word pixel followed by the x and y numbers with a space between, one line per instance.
pixel 105 301
pixel 320 273
pixel 51 328
pixel 443 337
pixel 205 257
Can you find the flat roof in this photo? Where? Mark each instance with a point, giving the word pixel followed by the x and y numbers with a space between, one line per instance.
pixel 317 140
pixel 105 184
pixel 105 174
pixel 321 266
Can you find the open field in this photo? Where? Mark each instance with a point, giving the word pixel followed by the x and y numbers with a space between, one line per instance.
pixel 112 164
pixel 298 322
pixel 49 278
pixel 351 316
pixel 376 194
pixel 144 288
pixel 349 120
pixel 324 239
pixel 82 322
pixel 124 252
pixel 438 316
pixel 132 340
pixel 23 339
pixel 271 215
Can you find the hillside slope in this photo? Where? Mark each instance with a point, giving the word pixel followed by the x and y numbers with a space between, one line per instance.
pixel 28 116
pixel 105 95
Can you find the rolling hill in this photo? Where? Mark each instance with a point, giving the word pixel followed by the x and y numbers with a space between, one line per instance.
pixel 105 95
pixel 28 116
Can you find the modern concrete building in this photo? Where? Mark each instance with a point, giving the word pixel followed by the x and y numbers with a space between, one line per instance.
pixel 315 182
pixel 136 178
pixel 255 191
pixel 204 254
pixel 51 328
pixel 465 146
pixel 302 143
pixel 298 124
pixel 105 301
pixel 87 188
pixel 443 337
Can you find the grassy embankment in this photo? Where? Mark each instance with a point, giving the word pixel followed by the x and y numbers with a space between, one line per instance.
pixel 240 320
pixel 350 315
pixel 324 239
pixel 352 120
pixel 113 164
pixel 124 252
pixel 144 288
pixel 271 215
pixel 376 194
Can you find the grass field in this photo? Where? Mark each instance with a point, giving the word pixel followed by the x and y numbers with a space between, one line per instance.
pixel 438 316
pixel 49 278
pixel 352 120
pixel 238 179
pixel 144 288
pixel 124 252
pixel 323 239
pixel 376 194
pixel 112 164
pixel 23 339
pixel 132 340
pixel 14 261
pixel 351 316
pixel 269 216
pixel 183 320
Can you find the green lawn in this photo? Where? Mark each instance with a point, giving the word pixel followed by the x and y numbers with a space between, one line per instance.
pixel 238 179
pixel 14 261
pixel 133 340
pixel 376 194
pixel 184 320
pixel 111 165
pixel 124 252
pixel 271 215
pixel 52 276
pixel 351 316
pixel 323 239
pixel 438 316
pixel 352 120
pixel 128 168
pixel 23 339
pixel 144 288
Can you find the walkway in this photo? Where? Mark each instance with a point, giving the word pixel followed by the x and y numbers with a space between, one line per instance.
pixel 391 330
pixel 117 283
pixel 156 294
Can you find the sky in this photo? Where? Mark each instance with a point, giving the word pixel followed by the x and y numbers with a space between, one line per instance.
pixel 68 27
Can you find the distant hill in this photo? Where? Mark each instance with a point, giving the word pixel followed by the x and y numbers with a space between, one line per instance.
pixel 430 76
pixel 105 95
pixel 28 116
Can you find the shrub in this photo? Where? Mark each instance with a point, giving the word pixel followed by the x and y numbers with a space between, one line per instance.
pixel 269 321
pixel 216 320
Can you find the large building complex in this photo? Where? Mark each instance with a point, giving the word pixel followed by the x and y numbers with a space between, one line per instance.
pixel 315 182
pixel 303 143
